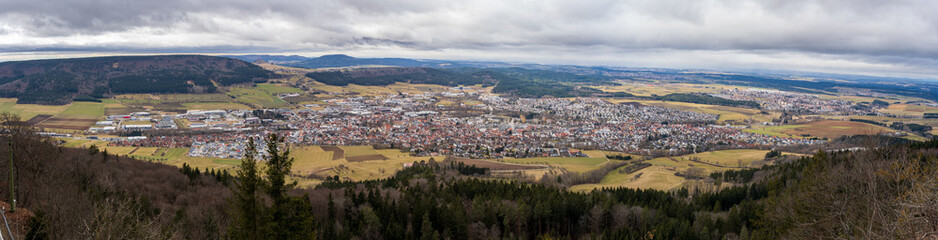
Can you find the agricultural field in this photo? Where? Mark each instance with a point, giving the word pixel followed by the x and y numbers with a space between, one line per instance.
pixel 822 129
pixel 659 88
pixel 654 177
pixel 573 164
pixel 908 110
pixel 78 116
pixel 889 120
pixel 316 160
pixel 730 158
pixel 261 96
pixel 175 102
pixel 352 151
pixel 661 174
pixel 28 111
pixel 114 107
pixel 867 100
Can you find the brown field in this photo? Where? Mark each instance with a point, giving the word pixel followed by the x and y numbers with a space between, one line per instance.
pixel 37 119
pixel 834 129
pixel 363 158
pixel 121 110
pixel 68 123
pixel 337 153
pixel 498 166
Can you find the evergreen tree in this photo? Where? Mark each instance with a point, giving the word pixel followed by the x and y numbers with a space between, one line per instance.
pixel 291 217
pixel 247 206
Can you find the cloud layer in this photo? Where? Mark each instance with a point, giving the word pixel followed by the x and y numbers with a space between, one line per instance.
pixel 869 36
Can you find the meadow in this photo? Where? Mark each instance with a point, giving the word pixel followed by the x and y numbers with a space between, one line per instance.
pixel 652 87
pixel 28 111
pixel 261 96
pixel 822 129
pixel 661 174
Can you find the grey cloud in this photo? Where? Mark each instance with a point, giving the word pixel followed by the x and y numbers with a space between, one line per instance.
pixel 880 30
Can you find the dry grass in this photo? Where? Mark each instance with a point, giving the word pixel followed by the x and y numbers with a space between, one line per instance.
pixel 573 164
pixel 834 129
pixel 654 177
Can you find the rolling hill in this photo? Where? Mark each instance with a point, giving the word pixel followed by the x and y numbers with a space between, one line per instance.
pixel 340 60
pixel 59 81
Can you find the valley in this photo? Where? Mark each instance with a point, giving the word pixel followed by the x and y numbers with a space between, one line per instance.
pixel 291 102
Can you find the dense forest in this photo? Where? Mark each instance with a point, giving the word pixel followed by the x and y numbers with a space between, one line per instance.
pixel 59 81
pixel 887 192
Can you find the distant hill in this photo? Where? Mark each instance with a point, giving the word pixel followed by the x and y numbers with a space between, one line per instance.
pixel 59 81
pixel 387 76
pixel 275 59
pixel 515 82
pixel 340 60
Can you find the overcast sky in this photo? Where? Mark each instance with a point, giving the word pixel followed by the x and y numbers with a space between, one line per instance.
pixel 874 37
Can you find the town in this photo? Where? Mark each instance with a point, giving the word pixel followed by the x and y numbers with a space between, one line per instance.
pixel 469 125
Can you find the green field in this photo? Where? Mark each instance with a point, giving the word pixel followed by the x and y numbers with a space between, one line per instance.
pixel 83 109
pixel 256 98
pixel 27 111
pixel 78 116
pixel 275 89
pixel 179 101
pixel 263 95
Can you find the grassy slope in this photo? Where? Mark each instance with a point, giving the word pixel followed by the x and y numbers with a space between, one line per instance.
pixel 661 174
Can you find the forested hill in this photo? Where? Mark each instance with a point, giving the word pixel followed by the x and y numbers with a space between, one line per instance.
pixel 513 81
pixel 340 60
pixel 59 81
pixel 387 76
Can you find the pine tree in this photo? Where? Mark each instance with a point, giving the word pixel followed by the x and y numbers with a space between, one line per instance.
pixel 247 204
pixel 427 232
pixel 291 217
pixel 329 231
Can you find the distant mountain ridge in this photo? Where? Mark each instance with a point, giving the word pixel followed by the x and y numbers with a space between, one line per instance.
pixel 59 81
pixel 342 60
pixel 781 80
pixel 275 59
